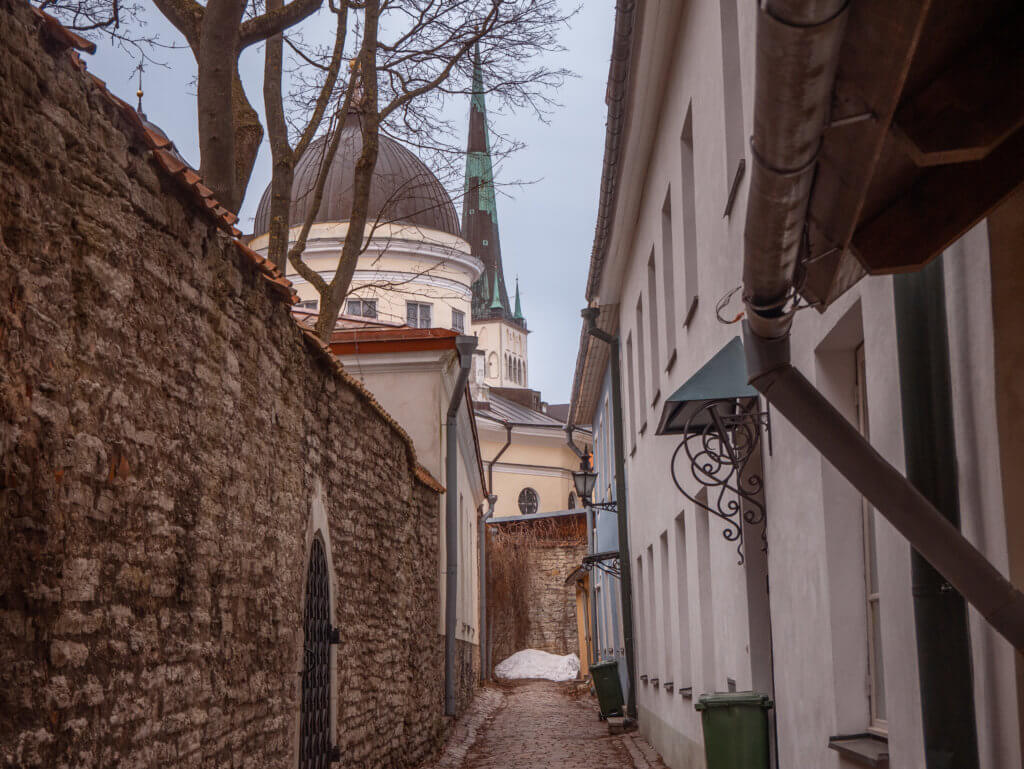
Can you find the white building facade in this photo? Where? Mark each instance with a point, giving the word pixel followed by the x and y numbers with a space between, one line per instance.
pixel 816 606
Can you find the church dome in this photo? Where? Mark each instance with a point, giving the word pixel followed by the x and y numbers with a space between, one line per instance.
pixel 403 189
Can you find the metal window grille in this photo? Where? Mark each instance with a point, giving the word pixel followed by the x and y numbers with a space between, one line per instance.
pixel 315 749
pixel 529 502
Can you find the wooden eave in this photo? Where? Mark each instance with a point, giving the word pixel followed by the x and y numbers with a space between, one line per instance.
pixel 926 137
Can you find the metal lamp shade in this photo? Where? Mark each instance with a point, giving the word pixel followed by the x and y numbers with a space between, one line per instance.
pixel 584 481
pixel 724 377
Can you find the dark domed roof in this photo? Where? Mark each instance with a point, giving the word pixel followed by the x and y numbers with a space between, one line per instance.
pixel 403 189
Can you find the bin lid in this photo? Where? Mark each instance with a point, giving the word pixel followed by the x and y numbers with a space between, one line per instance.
pixel 605 665
pixel 732 699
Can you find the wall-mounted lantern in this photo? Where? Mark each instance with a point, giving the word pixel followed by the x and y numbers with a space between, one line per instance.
pixel 718 414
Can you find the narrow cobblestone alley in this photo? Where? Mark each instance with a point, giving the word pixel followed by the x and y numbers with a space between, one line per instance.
pixel 540 725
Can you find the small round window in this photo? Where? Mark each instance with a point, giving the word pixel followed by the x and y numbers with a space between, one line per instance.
pixel 528 502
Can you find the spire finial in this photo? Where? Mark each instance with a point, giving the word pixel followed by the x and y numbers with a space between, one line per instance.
pixel 519 308
pixel 138 93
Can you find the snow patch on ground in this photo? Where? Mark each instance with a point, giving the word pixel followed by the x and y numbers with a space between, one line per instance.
pixel 534 663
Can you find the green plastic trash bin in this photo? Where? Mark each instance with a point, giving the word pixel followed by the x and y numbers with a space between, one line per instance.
pixel 735 730
pixel 608 687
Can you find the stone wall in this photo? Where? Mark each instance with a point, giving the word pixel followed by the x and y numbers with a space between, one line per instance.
pixel 550 621
pixel 168 439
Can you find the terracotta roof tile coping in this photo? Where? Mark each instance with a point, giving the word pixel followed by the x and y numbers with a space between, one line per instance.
pixel 202 196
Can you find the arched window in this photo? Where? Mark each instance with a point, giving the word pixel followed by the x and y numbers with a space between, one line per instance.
pixel 572 500
pixel 315 706
pixel 529 502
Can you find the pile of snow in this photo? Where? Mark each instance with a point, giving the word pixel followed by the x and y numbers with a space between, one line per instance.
pixel 533 663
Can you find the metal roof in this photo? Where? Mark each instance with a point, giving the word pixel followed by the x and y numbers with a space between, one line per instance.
pixel 505 410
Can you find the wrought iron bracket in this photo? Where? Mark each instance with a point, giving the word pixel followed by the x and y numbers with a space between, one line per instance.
pixel 720 438
pixel 608 562
pixel 612 506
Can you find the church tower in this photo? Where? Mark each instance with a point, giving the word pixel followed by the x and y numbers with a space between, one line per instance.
pixel 498 323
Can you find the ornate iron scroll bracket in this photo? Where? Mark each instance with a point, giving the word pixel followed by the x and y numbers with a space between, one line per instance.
pixel 608 562
pixel 720 438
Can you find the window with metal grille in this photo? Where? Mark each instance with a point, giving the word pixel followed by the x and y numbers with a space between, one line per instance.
pixel 417 314
pixel 315 749
pixel 458 321
pixel 364 308
pixel 528 501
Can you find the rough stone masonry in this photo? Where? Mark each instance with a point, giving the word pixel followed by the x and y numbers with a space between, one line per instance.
pixel 166 436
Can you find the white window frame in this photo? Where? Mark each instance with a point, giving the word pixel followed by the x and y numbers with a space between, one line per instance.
pixel 458 321
pixel 423 311
pixel 360 309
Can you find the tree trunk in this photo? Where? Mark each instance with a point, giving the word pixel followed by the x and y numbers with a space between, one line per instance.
pixel 218 57
pixel 248 136
pixel 369 120
pixel 281 153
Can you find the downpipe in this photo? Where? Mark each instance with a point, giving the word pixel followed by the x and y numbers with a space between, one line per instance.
pixel 465 345
pixel 625 577
pixel 485 664
pixel 892 495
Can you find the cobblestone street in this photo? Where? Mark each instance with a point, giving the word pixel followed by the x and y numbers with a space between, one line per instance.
pixel 537 725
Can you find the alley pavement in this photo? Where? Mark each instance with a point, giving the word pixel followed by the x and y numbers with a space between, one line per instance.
pixel 537 725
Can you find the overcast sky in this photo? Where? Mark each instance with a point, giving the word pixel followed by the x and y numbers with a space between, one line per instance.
pixel 547 228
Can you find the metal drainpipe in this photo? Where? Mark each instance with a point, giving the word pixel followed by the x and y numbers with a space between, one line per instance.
pixel 465 346
pixel 798 44
pixel 940 613
pixel 625 579
pixel 485 635
pixel 485 669
pixel 592 587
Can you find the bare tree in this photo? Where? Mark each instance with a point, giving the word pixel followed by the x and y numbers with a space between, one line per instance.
pixel 399 85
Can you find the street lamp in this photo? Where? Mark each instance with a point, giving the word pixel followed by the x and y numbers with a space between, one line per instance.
pixel 585 479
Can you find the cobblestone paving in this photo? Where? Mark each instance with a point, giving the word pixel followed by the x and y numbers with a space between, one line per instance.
pixel 539 725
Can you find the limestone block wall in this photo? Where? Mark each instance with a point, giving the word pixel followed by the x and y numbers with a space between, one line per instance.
pixel 550 622
pixel 168 441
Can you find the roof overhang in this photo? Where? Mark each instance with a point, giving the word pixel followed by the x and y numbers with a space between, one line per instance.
pixel 926 137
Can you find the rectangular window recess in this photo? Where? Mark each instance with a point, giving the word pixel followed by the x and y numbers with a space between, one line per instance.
pixel 690 312
pixel 671 361
pixel 686 692
pixel 730 684
pixel 657 397
pixel 741 167
pixel 669 686
pixel 865 749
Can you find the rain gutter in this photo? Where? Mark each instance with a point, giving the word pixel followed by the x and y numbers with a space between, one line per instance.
pixel 798 44
pixel 464 346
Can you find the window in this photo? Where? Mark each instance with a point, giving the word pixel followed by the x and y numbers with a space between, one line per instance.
pixel 668 276
pixel 689 191
pixel 667 634
pixel 641 372
pixel 529 502
pixel 683 676
pixel 629 382
pixel 572 501
pixel 417 314
pixel 458 321
pixel 652 317
pixel 365 308
pixel 308 304
pixel 876 669
pixel 733 80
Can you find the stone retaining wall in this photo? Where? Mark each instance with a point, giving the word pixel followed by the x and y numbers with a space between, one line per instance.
pixel 168 440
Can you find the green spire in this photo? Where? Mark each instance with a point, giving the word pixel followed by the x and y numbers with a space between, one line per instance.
pixel 519 307
pixel 496 295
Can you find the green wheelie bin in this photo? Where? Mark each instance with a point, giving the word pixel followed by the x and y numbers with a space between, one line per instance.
pixel 736 732
pixel 608 687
